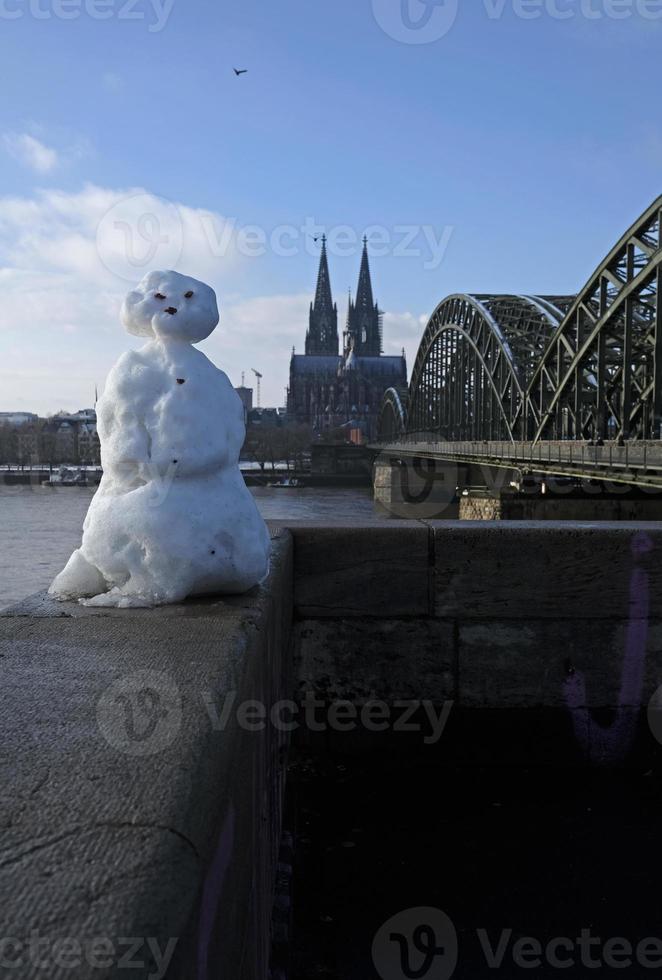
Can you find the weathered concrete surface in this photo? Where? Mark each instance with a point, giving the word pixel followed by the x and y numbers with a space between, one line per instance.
pixel 552 507
pixel 533 629
pixel 529 662
pixel 556 571
pixel 474 570
pixel 376 660
pixel 362 570
pixel 126 811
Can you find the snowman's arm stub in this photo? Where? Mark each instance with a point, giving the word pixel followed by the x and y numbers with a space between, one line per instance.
pixel 235 424
pixel 126 442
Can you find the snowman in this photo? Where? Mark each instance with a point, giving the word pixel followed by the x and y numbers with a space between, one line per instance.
pixel 172 516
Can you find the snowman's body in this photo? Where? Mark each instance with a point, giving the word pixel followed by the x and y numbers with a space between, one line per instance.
pixel 172 516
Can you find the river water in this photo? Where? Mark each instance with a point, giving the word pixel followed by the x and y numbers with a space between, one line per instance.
pixel 41 526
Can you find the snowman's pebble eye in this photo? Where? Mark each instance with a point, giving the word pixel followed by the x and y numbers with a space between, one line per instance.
pixel 181 381
pixel 189 294
pixel 159 296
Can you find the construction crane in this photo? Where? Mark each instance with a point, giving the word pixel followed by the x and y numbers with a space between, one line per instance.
pixel 259 379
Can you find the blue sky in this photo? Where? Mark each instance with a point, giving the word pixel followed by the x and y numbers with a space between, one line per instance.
pixel 525 145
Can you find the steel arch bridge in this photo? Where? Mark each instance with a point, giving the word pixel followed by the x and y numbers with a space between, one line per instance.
pixel 393 415
pixel 532 368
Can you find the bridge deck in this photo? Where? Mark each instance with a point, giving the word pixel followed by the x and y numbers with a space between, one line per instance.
pixel 636 464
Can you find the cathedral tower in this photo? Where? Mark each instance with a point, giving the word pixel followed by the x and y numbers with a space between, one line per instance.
pixel 364 319
pixel 322 336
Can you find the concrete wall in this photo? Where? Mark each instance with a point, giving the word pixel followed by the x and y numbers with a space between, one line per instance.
pixel 127 812
pixel 550 507
pixel 135 808
pixel 525 627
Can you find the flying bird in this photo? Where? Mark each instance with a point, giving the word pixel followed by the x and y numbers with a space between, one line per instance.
pixel 240 71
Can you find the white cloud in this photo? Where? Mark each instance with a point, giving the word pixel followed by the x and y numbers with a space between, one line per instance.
pixel 404 330
pixel 110 237
pixel 31 152
pixel 260 333
pixel 67 260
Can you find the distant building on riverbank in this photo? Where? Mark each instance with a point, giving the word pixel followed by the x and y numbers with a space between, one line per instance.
pixel 17 418
pixel 246 395
pixel 331 390
pixel 69 438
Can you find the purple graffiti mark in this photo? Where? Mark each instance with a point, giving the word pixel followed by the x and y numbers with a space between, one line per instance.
pixel 612 744
pixel 212 891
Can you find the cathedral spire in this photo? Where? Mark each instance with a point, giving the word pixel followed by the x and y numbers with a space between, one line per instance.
pixel 323 298
pixel 322 336
pixel 364 292
pixel 364 321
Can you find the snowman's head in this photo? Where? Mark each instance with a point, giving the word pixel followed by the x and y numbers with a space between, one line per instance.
pixel 168 305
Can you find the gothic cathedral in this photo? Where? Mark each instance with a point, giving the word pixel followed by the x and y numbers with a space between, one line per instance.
pixel 329 389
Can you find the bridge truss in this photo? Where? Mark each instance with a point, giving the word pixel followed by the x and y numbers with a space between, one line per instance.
pixel 528 368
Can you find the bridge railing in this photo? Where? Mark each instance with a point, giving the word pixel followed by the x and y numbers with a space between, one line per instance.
pixel 634 458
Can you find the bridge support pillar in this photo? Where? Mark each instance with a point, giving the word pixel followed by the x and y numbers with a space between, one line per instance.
pixel 417 488
pixel 578 504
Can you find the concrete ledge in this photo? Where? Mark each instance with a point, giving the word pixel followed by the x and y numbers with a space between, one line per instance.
pixel 558 571
pixel 362 570
pixel 127 812
pixel 475 570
